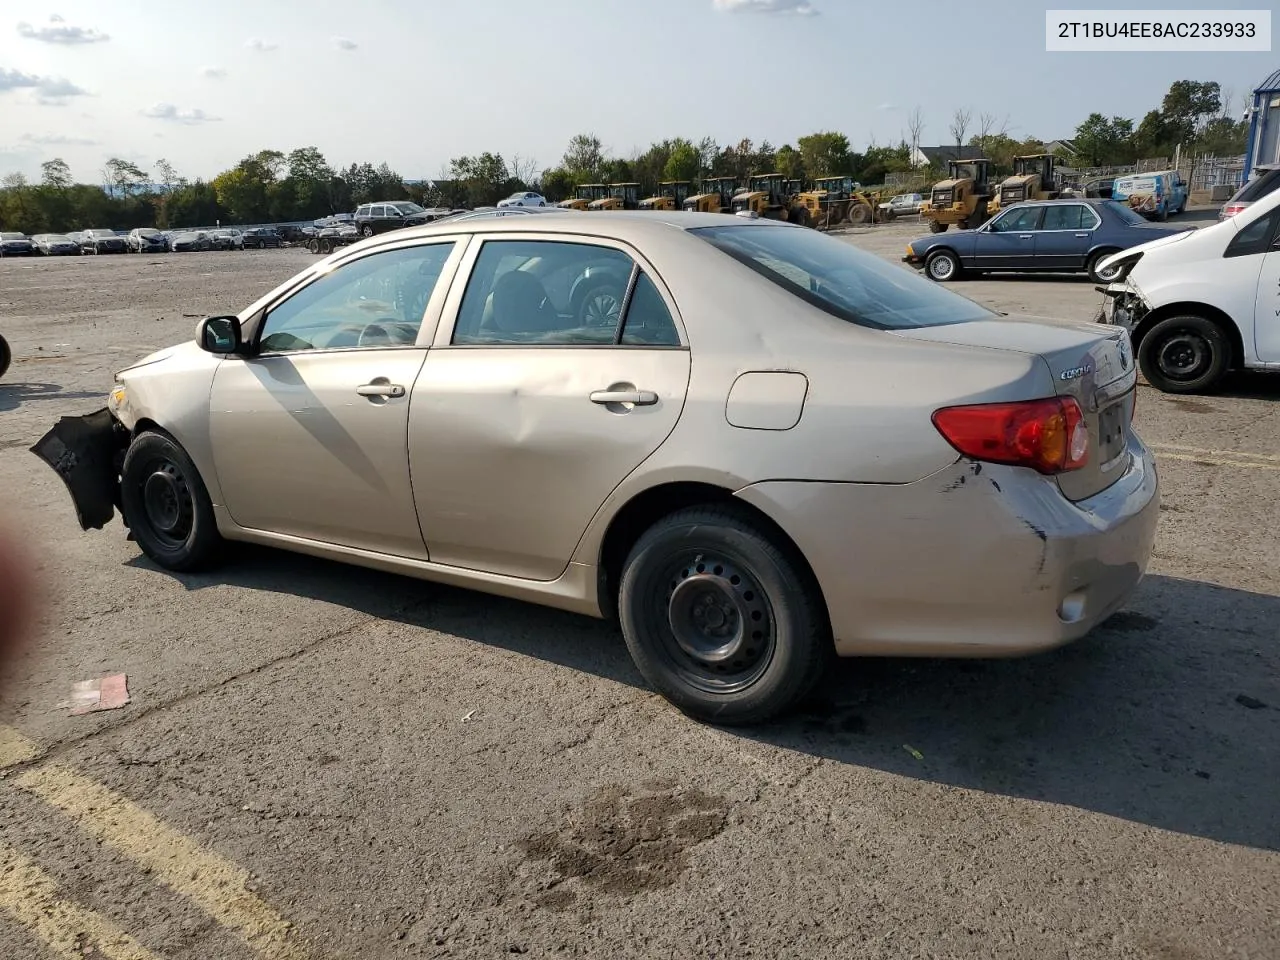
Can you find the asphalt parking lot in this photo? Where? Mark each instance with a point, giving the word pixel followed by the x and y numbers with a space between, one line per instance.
pixel 325 762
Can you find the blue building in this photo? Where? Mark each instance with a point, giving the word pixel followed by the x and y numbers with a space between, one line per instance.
pixel 1263 149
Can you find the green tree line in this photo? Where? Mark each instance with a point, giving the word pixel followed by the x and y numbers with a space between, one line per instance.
pixel 271 186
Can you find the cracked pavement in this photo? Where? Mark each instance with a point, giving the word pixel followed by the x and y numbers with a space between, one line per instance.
pixel 368 766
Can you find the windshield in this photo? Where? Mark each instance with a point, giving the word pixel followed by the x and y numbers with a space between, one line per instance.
pixel 1123 213
pixel 409 208
pixel 842 280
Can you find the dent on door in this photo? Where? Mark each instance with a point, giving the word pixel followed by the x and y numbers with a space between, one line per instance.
pixel 513 450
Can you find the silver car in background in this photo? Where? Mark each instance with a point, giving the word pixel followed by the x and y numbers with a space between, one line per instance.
pixel 752 443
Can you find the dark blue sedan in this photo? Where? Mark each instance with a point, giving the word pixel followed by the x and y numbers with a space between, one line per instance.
pixel 1063 236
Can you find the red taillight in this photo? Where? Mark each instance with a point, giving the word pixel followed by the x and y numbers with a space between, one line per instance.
pixel 1048 435
pixel 1231 209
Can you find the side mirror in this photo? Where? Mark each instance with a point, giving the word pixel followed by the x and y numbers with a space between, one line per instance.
pixel 219 334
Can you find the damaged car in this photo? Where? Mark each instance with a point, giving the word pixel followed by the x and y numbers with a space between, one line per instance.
pixel 1199 305
pixel 752 444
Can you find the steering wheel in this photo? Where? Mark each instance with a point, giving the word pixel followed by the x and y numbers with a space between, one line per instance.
pixel 377 335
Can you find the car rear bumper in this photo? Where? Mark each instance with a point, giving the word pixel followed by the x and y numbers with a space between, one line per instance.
pixel 978 560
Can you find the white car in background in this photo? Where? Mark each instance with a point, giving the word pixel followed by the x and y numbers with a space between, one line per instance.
pixel 524 199
pixel 1201 303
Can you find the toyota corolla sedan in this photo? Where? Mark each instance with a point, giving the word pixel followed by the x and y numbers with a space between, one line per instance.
pixel 752 443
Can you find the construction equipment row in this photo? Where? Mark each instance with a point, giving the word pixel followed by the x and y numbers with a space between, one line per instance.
pixel 830 202
pixel 967 197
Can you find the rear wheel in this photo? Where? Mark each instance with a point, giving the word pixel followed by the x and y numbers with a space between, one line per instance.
pixel 1097 274
pixel 800 215
pixel 166 505
pixel 1184 354
pixel 366 230
pixel 942 266
pixel 936 227
pixel 859 213
pixel 720 619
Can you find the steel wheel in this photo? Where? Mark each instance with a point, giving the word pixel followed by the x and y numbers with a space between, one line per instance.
pixel 166 497
pixel 722 628
pixel 1183 355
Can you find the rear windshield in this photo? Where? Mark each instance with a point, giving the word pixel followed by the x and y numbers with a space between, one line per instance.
pixel 841 279
pixel 1255 190
pixel 1122 212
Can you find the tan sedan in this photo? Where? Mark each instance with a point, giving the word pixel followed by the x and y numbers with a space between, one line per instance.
pixel 752 443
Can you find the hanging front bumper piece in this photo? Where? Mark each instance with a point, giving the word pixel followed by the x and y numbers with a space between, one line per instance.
pixel 87 453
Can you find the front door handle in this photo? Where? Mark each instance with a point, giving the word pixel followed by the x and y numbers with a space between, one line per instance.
pixel 1081 234
pixel 641 398
pixel 1026 236
pixel 380 389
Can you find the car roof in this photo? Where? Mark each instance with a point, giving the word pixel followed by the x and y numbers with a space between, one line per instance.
pixel 632 226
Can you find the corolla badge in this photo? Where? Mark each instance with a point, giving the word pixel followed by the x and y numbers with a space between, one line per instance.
pixel 1075 373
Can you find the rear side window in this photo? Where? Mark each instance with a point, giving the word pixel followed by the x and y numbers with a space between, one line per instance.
pixel 1255 190
pixel 1255 238
pixel 840 279
pixel 1069 216
pixel 553 293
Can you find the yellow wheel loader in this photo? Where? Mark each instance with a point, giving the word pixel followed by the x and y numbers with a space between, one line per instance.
pixel 1034 178
pixel 715 196
pixel 671 195
pixel 584 196
pixel 769 196
pixel 962 198
pixel 621 196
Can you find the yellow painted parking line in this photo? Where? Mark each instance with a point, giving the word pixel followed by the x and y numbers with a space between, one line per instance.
pixel 32 898
pixel 15 748
pixel 1234 454
pixel 216 884
pixel 1217 461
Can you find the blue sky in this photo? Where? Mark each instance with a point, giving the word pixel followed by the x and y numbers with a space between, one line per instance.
pixel 415 83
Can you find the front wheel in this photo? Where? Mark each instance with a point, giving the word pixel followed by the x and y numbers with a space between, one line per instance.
pixel 942 266
pixel 936 227
pixel 166 505
pixel 1099 274
pixel 1186 354
pixel 366 231
pixel 720 619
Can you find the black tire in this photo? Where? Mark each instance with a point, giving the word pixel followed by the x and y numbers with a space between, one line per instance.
pixel 166 505
pixel 800 216
pixel 1091 267
pixel 1184 354
pixel 859 213
pixel 942 266
pixel 366 230
pixel 690 560
pixel 6 356
pixel 326 247
pixel 598 305
pixel 936 227
pixel 890 214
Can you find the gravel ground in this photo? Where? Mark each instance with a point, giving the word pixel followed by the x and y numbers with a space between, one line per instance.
pixel 325 762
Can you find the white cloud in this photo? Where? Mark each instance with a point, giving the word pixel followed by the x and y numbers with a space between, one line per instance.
pixel 213 73
pixel 58 30
pixel 58 140
pixel 262 46
pixel 344 43
pixel 174 114
pixel 51 91
pixel 801 8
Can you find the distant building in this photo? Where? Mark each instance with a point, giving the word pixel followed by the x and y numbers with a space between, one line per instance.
pixel 1064 150
pixel 1263 146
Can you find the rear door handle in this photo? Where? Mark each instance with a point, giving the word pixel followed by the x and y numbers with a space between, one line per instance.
pixel 380 390
pixel 1081 234
pixel 1026 236
pixel 641 398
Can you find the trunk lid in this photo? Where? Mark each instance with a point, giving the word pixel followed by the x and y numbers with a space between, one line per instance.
pixel 1091 362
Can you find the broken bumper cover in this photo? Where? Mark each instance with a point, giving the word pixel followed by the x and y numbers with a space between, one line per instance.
pixel 1123 305
pixel 86 452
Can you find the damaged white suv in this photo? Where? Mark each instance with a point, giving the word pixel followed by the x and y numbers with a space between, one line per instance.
pixel 1202 303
